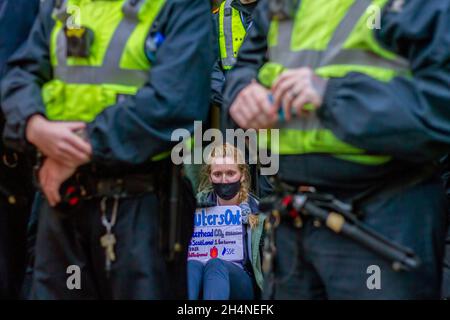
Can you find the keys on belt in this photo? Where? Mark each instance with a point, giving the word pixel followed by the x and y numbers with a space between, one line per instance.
pixel 108 240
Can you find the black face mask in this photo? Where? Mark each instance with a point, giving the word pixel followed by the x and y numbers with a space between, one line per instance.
pixel 227 191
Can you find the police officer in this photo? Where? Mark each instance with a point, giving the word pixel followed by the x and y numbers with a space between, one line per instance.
pixel 364 102
pixel 97 90
pixel 16 190
pixel 233 20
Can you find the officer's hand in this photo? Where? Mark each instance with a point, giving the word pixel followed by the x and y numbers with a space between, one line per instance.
pixel 51 176
pixel 57 140
pixel 296 88
pixel 252 108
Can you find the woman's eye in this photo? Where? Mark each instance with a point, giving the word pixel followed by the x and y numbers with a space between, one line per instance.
pixel 231 173
pixel 217 174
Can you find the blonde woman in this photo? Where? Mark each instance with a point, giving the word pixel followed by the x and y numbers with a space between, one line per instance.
pixel 225 181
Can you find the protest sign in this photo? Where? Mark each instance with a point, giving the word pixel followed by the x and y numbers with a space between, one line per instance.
pixel 218 233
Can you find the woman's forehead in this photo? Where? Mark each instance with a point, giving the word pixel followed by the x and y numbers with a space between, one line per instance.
pixel 228 161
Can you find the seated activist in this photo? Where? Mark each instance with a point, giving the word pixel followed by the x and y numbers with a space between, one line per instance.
pixel 225 181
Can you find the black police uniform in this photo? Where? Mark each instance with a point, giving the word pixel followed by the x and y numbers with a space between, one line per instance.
pixel 175 95
pixel 16 190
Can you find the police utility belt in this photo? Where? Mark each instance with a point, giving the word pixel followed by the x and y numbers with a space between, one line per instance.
pixel 296 205
pixel 87 184
pixel 84 187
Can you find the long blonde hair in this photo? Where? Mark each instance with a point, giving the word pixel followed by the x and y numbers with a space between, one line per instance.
pixel 228 151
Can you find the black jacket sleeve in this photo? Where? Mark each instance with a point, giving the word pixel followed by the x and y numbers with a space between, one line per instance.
pixel 408 118
pixel 217 84
pixel 176 94
pixel 13 34
pixel 217 75
pixel 28 69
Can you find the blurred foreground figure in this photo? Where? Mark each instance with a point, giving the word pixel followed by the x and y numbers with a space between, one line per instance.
pixel 362 104
pixel 97 91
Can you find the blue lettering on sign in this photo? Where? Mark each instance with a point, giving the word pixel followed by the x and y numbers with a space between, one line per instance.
pixel 202 234
pixel 227 218
pixel 201 243
pixel 227 251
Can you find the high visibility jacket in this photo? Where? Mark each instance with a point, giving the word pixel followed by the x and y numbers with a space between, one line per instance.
pixel 231 34
pixel 117 64
pixel 334 38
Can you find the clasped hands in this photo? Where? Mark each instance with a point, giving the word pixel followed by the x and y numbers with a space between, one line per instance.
pixel 292 91
pixel 65 151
